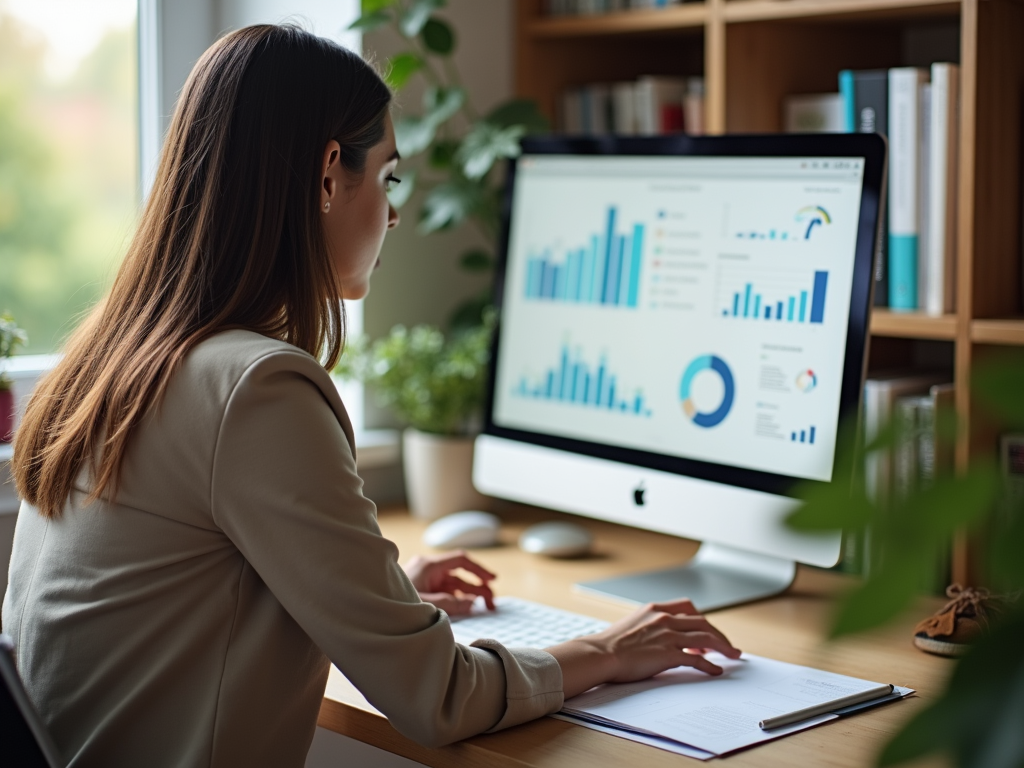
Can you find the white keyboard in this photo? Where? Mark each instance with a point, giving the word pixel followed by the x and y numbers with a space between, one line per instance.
pixel 523 624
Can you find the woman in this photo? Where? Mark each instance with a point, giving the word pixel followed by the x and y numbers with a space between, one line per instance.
pixel 194 548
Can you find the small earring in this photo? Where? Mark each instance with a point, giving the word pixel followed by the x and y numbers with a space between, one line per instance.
pixel 327 205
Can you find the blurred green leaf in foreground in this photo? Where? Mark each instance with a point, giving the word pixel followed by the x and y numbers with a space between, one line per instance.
pixel 979 720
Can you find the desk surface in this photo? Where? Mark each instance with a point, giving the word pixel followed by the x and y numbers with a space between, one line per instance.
pixel 790 628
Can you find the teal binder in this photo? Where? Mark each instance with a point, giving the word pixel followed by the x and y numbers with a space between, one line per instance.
pixel 903 272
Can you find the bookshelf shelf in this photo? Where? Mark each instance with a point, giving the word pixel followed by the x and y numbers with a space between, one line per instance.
pixel 689 16
pixel 843 10
pixel 912 325
pixel 998 331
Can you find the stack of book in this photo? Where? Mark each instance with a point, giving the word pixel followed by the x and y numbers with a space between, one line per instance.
pixel 917 109
pixel 648 107
pixel 918 406
pixel 589 7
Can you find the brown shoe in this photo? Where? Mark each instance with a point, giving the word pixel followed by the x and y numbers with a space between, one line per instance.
pixel 952 630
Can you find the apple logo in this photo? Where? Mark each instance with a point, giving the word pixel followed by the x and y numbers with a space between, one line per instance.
pixel 638 495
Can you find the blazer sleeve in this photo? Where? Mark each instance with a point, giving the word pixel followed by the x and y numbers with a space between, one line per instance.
pixel 284 489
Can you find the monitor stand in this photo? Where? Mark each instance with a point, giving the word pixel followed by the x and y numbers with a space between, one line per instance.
pixel 718 576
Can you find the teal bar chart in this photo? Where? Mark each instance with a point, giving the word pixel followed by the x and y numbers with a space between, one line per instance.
pixel 575 382
pixel 803 436
pixel 799 306
pixel 603 270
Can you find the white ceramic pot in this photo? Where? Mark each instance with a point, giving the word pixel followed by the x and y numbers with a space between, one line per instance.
pixel 438 474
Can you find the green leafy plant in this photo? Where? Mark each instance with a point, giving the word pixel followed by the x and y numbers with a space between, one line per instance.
pixel 11 337
pixel 979 720
pixel 457 147
pixel 432 383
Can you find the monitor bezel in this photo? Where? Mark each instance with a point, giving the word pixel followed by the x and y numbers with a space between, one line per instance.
pixel 870 147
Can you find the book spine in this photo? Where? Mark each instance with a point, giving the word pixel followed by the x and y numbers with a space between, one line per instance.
pixel 904 84
pixel 905 466
pixel 924 140
pixel 871 107
pixel 572 112
pixel 646 116
pixel 942 161
pixel 624 109
pixel 586 112
pixel 693 106
pixel 847 89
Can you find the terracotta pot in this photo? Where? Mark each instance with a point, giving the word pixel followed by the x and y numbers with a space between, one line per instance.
pixel 438 474
pixel 6 415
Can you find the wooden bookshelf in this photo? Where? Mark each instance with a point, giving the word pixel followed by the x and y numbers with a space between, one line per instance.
pixel 913 325
pixel 674 19
pixel 842 10
pixel 1009 332
pixel 752 53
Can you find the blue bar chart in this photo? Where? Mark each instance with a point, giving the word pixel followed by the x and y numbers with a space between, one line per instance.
pixel 785 302
pixel 576 382
pixel 603 270
pixel 803 436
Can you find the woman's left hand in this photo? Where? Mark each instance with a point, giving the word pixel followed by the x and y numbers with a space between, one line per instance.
pixel 435 579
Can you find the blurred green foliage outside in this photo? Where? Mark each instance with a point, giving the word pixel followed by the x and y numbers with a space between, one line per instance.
pixel 68 180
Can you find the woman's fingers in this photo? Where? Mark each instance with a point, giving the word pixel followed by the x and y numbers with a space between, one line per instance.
pixel 682 606
pixel 708 641
pixel 455 584
pixel 699 663
pixel 460 559
pixel 698 624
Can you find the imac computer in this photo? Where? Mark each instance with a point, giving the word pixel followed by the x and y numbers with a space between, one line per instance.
pixel 683 326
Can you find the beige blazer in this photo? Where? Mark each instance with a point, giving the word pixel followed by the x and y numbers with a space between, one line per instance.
pixel 191 621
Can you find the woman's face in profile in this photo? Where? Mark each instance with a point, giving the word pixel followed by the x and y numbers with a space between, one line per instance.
pixel 356 212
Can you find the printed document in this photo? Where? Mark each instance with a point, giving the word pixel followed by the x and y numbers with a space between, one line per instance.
pixel 717 714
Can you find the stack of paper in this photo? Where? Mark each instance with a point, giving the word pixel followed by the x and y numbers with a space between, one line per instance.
pixel 688 712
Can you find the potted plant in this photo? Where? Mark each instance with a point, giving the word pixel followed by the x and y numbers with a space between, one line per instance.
pixel 436 387
pixel 11 337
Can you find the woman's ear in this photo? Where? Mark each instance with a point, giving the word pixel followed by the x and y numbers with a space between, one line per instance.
pixel 331 175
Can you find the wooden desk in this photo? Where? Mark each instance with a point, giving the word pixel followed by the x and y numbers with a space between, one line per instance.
pixel 790 628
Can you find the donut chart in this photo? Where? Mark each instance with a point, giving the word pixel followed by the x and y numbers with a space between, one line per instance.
pixel 718 365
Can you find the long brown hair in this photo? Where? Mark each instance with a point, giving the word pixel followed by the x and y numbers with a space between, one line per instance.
pixel 231 237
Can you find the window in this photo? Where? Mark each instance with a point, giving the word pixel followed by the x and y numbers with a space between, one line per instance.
pixel 68 157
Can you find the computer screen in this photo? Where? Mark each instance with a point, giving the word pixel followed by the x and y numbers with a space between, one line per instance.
pixel 690 306
pixel 683 327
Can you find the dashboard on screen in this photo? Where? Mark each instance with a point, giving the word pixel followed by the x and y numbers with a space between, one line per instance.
pixel 687 307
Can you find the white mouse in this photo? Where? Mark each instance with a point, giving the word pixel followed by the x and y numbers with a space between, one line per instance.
pixel 556 540
pixel 463 529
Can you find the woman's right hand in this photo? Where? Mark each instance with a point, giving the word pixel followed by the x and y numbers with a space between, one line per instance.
pixel 657 637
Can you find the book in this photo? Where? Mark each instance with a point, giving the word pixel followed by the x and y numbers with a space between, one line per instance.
pixel 693 106
pixel 814 113
pixel 572 112
pixel 916 462
pixel 904 181
pixel 623 109
pixel 866 101
pixel 596 107
pixel 940 255
pixel 659 105
pixel 924 143
pixel 847 92
pixel 881 393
